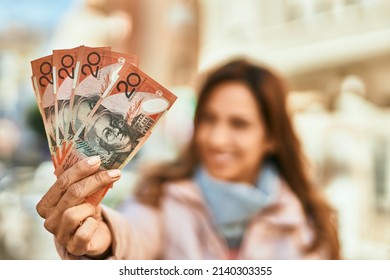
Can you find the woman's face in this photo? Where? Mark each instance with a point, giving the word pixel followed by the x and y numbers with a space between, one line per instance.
pixel 231 136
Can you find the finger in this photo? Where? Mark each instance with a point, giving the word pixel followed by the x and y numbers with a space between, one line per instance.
pixel 79 243
pixel 77 172
pixel 77 192
pixel 72 219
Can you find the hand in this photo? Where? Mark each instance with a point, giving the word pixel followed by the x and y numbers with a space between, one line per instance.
pixel 76 223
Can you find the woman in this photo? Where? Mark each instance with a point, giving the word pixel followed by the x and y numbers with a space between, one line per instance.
pixel 238 192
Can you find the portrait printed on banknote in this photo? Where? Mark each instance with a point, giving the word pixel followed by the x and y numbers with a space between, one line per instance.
pixel 108 132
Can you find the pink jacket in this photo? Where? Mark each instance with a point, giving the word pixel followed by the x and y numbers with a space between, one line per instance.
pixel 182 229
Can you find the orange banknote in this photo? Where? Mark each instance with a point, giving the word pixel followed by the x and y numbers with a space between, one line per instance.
pixel 42 80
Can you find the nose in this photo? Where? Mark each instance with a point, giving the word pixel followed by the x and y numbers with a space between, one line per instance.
pixel 115 131
pixel 219 136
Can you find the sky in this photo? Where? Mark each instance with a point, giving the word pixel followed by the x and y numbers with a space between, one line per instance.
pixel 34 14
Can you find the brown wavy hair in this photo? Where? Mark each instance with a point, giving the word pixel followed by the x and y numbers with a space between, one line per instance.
pixel 270 93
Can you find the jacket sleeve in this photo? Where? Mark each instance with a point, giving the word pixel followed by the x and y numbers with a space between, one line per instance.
pixel 136 232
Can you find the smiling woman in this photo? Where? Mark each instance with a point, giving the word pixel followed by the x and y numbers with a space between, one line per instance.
pixel 239 191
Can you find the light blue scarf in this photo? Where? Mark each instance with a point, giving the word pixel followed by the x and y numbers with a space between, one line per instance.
pixel 232 205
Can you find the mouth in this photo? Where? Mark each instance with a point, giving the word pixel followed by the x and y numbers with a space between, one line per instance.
pixel 220 159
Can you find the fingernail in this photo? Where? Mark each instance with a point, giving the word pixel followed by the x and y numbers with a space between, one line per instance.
pixel 114 173
pixel 93 160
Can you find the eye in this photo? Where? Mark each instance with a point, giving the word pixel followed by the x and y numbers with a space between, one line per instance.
pixel 118 123
pixel 238 123
pixel 206 117
pixel 108 134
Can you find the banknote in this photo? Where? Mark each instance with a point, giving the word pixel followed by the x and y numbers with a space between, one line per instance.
pixel 89 63
pixel 96 87
pixel 42 80
pixel 64 77
pixel 98 83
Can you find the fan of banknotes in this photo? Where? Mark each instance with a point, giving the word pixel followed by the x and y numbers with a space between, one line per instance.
pixel 95 101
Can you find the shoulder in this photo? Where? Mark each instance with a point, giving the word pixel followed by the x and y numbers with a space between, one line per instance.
pixel 285 218
pixel 282 224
